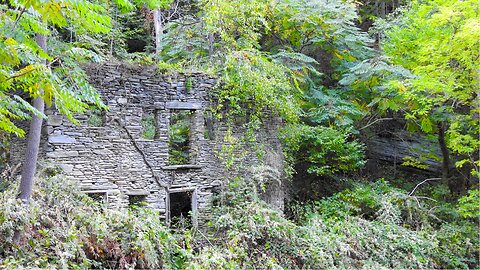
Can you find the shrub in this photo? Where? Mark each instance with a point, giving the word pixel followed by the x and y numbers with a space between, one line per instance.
pixel 64 228
pixel 370 226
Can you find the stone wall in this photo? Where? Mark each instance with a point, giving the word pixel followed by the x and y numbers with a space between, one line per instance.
pixel 114 160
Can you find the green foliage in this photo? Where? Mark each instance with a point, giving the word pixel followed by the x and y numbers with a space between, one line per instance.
pixel 368 226
pixel 266 52
pixel 371 226
pixel 96 118
pixel 438 42
pixel 327 107
pixel 469 205
pixel 62 82
pixel 179 138
pixel 378 201
pixel 326 149
pixel 64 228
pixel 148 127
pixel 238 23
pixel 252 83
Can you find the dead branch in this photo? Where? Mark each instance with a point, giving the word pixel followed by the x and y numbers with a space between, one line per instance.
pixel 421 183
pixel 378 120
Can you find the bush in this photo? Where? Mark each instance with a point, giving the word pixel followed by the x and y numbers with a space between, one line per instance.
pixel 371 226
pixel 64 228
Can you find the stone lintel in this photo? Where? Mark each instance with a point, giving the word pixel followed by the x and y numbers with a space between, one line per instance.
pixel 178 105
pixel 159 105
pixel 137 192
pixel 181 167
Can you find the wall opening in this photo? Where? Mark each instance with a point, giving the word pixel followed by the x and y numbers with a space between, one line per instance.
pixel 181 209
pixel 99 196
pixel 179 133
pixel 209 129
pixel 150 129
pixel 137 200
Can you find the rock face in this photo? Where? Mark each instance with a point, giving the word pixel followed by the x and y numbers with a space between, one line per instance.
pixel 111 159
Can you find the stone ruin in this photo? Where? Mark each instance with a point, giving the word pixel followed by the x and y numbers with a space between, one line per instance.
pixel 110 158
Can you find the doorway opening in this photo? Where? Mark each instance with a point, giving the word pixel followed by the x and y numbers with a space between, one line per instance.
pixel 181 209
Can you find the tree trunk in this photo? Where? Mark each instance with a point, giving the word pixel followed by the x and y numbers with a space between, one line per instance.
pixel 33 142
pixel 157 19
pixel 452 184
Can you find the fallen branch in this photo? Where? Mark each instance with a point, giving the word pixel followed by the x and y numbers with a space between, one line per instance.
pixel 421 183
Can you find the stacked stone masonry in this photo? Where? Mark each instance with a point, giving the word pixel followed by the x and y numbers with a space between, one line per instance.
pixel 115 161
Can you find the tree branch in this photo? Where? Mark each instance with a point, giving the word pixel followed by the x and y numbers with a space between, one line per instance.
pixel 423 182
pixel 18 75
pixel 378 120
pixel 144 157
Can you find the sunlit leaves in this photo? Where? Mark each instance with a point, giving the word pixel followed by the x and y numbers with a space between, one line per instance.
pixel 22 69
pixel 439 41
pixel 239 23
pixel 254 83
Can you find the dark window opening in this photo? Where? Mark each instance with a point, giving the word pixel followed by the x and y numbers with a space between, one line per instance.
pixel 136 200
pixel 99 197
pixel 217 196
pixel 136 45
pixel 181 209
pixel 179 137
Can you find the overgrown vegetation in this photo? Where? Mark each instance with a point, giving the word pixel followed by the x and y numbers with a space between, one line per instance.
pixel 180 148
pixel 64 228
pixel 332 70
pixel 370 226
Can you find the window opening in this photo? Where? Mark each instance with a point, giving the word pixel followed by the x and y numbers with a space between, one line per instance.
pixel 150 126
pixel 189 84
pixel 99 197
pixel 208 133
pixel 136 200
pixel 181 209
pixel 179 137
pixel 217 196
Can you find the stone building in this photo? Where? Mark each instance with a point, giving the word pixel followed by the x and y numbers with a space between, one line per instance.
pixel 112 159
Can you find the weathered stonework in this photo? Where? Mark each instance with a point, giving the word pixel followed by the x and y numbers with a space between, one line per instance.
pixel 115 161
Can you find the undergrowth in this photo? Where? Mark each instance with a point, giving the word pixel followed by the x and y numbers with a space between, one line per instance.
pixel 370 226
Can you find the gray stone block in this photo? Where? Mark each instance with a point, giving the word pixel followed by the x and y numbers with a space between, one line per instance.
pixel 61 140
pixel 55 120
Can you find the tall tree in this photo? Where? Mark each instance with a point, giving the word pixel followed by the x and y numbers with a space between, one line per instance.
pixel 60 81
pixel 439 42
pixel 34 135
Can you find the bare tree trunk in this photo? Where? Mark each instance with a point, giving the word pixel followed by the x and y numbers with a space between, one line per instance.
pixel 33 142
pixel 157 19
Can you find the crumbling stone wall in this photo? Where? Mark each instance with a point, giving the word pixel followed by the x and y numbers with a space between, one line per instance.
pixel 113 160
